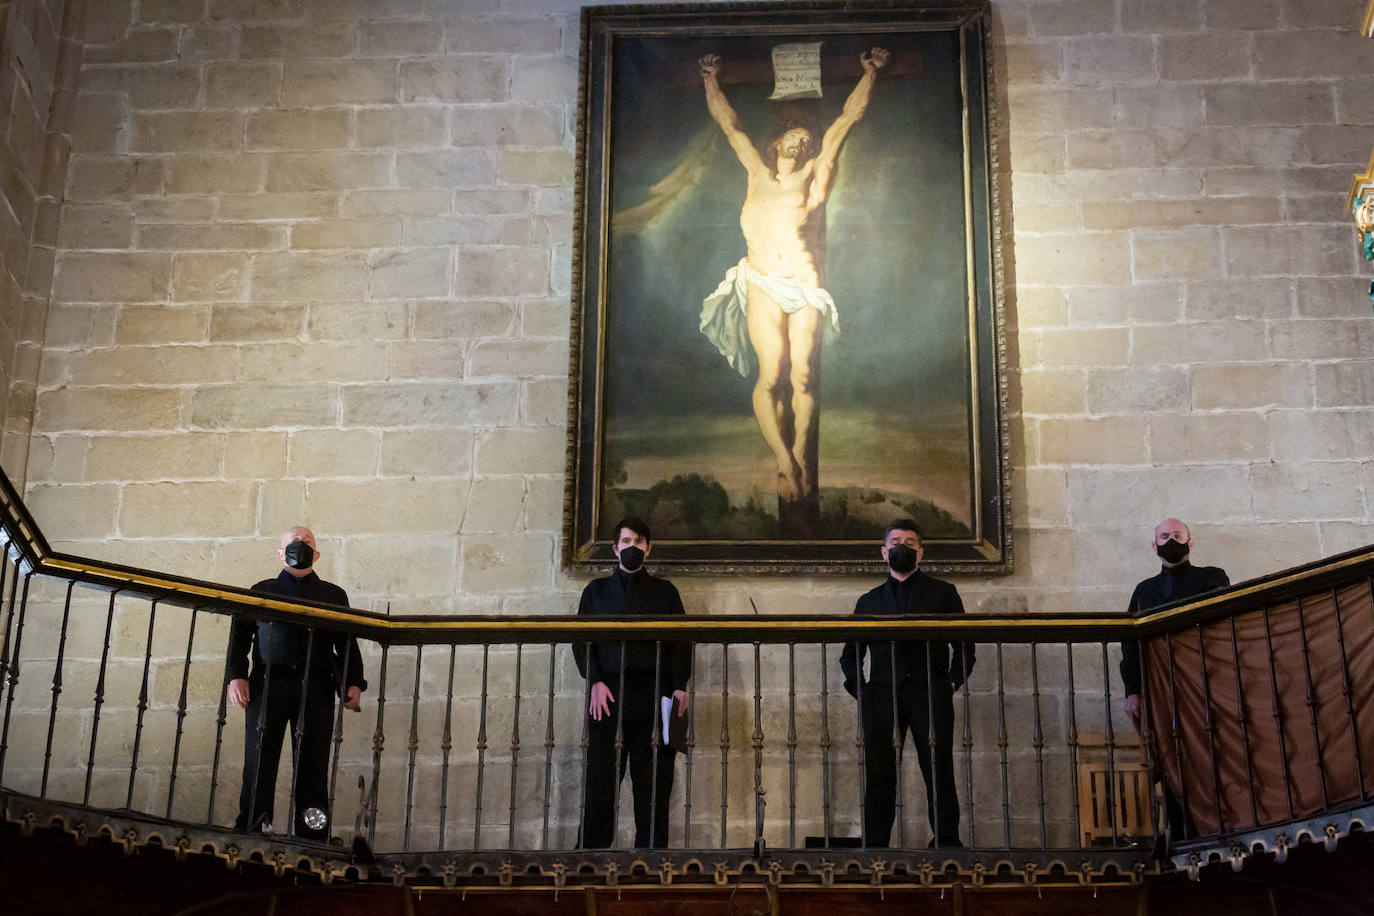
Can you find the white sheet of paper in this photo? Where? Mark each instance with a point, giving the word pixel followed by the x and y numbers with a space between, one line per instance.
pixel 797 71
pixel 666 704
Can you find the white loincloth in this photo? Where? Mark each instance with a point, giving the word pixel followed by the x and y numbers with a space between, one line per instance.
pixel 724 316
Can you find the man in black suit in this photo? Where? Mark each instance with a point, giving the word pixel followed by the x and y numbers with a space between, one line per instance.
pixel 917 679
pixel 1178 580
pixel 287 661
pixel 629 590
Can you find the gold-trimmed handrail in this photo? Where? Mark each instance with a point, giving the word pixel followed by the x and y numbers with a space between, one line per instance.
pixel 26 537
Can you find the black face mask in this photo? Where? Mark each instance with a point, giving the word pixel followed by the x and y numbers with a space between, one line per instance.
pixel 300 555
pixel 901 558
pixel 1172 551
pixel 631 558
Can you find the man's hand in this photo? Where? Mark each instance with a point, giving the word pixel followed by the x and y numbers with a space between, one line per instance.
pixel 602 698
pixel 684 701
pixel 1133 707
pixel 710 65
pixel 874 60
pixel 238 692
pixel 355 699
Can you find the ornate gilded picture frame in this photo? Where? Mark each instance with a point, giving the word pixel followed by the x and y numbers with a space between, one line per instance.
pixel 787 285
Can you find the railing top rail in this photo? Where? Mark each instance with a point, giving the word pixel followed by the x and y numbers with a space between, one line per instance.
pixel 27 539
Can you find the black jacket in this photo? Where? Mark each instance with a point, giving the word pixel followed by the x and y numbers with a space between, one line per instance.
pixel 276 643
pixel 919 594
pixel 1174 583
pixel 633 594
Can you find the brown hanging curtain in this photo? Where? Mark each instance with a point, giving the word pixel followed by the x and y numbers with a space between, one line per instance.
pixel 1308 742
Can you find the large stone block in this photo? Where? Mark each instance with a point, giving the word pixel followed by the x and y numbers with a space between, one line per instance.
pixel 398 39
pixel 158 457
pixel 1142 303
pixel 237 323
pixel 1223 15
pixel 521 451
pixel 508 125
pixel 406 127
pixel 96 226
pixel 497 563
pixel 113 178
pixel 1315 490
pixel 1318 339
pixel 544 79
pixel 495 505
pixel 1346 383
pixel 112 276
pixel 1250 385
pixel 277 206
pixel 511 36
pixel 445 169
pixel 282 506
pixel 187 131
pixel 294 42
pixel 388 505
pixel 1205 211
pixel 209 276
pixel 313 362
pixel 1087 440
pixel 1284 104
pixel 1211 493
pixel 263 406
pixel 395 565
pixel 464 231
pixel 1074 347
pixel 254 456
pixel 1210 56
pixel 297 129
pixel 430 404
pixel 74 511
pixel 1053 391
pixel 426 359
pixel 1137 390
pixel 1321 434
pixel 544 402
pixel 395 203
pixel 503 272
pixel 160 365
pixel 1208 437
pixel 1160 105
pixel 455 79
pixel 1071 17
pixel 357 320
pixel 1161 15
pixel 174 210
pixel 1177 254
pixel 427 452
pixel 347 233
pixel 410 273
pixel 330 171
pixel 297 276
pixel 536 167
pixel 188 509
pixel 238 10
pixel 213 173
pixel 1211 342
pixel 1087 258
pixel 243 236
pixel 242 85
pixel 334 82
pixel 1053 110
pixel 1239 298
pixel 324 453
pixel 1093 61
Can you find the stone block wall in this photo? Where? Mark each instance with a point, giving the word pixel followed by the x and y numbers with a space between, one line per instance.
pixel 40 47
pixel 313 264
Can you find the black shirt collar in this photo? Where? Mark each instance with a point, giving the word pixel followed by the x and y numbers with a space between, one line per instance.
pixel 297 585
pixel 1181 569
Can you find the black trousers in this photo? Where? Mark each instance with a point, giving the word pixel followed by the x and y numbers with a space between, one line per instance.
pixel 880 791
pixel 651 784
pixel 273 707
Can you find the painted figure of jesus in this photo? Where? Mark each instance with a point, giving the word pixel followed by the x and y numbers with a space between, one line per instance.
pixel 776 294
